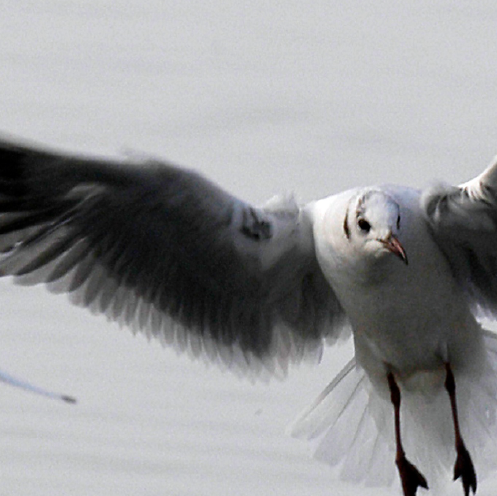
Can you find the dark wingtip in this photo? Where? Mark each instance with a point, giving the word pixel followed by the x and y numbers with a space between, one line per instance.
pixel 12 165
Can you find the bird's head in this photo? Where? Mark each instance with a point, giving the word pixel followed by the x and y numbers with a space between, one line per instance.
pixel 373 222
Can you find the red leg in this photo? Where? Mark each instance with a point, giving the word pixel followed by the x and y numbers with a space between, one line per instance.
pixel 464 465
pixel 410 476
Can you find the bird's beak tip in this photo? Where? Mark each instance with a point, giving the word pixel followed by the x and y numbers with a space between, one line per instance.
pixel 393 245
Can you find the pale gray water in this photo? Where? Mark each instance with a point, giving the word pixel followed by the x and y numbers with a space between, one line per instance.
pixel 263 97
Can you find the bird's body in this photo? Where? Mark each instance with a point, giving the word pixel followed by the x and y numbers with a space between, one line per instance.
pixel 412 317
pixel 166 252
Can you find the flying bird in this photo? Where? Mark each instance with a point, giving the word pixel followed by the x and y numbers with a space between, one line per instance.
pixel 407 272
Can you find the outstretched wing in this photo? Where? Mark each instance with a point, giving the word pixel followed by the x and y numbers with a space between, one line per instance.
pixel 463 221
pixel 166 252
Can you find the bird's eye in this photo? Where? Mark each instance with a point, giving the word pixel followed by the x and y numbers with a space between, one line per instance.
pixel 364 225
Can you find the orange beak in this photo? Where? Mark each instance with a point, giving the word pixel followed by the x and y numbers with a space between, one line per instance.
pixel 393 245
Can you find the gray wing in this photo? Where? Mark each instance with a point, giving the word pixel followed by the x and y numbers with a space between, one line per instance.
pixel 463 221
pixel 166 252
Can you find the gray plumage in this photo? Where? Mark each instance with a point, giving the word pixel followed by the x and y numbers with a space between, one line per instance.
pixel 167 252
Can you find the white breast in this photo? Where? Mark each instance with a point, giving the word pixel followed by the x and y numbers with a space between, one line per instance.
pixel 409 318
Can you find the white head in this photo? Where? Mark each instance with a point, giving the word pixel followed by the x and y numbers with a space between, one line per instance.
pixel 372 223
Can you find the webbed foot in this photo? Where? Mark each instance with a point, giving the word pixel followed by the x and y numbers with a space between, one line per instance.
pixel 410 477
pixel 464 469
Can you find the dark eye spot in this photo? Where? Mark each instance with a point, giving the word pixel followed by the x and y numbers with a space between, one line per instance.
pixel 346 226
pixel 364 225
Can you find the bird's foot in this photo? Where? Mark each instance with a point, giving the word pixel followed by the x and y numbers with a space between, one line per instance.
pixel 410 477
pixel 465 470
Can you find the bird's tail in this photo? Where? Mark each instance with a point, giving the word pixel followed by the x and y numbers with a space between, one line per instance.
pixel 354 426
pixel 343 422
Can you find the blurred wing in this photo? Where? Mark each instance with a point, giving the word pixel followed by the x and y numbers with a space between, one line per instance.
pixel 166 252
pixel 464 223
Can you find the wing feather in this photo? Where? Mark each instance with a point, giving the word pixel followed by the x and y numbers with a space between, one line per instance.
pixel 166 252
pixel 463 221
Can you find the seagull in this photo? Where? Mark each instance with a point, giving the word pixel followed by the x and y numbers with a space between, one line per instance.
pixel 407 273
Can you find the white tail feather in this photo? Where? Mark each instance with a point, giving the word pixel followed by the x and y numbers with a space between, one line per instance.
pixel 342 420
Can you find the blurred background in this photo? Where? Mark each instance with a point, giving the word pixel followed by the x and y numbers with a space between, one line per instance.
pixel 264 98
